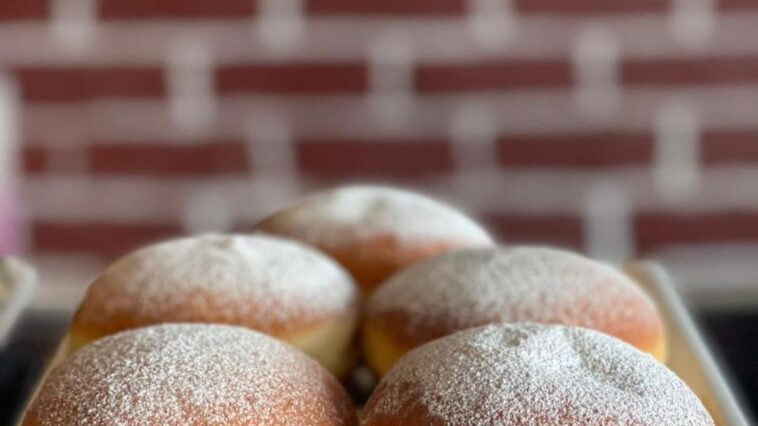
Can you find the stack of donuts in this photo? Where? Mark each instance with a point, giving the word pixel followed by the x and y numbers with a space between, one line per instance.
pixel 265 328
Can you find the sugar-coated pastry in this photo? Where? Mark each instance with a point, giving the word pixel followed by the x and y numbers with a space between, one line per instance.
pixel 375 231
pixel 190 374
pixel 277 286
pixel 529 374
pixel 473 287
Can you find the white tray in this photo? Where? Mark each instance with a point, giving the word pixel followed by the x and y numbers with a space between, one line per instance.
pixel 688 355
pixel 18 281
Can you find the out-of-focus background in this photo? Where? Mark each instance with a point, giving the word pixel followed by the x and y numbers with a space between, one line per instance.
pixel 622 128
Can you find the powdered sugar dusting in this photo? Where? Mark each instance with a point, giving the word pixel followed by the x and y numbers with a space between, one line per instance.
pixel 368 211
pixel 262 281
pixel 180 374
pixel 530 374
pixel 479 286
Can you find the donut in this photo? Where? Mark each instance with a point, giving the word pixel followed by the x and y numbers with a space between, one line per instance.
pixel 190 374
pixel 374 231
pixel 474 287
pixel 532 374
pixel 279 287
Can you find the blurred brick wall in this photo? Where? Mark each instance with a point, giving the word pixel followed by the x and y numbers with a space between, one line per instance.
pixel 617 127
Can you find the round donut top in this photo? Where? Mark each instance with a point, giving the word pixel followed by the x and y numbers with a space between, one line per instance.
pixel 340 216
pixel 474 287
pixel 263 282
pixel 532 374
pixel 189 374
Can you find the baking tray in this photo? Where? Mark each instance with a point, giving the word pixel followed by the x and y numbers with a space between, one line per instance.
pixel 688 354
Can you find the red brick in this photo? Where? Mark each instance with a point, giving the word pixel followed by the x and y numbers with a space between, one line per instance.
pixel 292 78
pixel 692 71
pixel 553 229
pixel 729 147
pixel 655 230
pixel 575 151
pixel 728 5
pixel 82 83
pixel 386 7
pixel 33 160
pixel 104 239
pixel 492 75
pixel 175 9
pixel 381 158
pixel 592 6
pixel 24 9
pixel 169 159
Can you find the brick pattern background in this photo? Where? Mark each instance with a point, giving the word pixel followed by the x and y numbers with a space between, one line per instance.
pixel 622 128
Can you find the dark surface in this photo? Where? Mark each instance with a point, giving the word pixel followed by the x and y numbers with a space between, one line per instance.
pixel 21 363
pixel 17 369
pixel 734 339
pixel 734 335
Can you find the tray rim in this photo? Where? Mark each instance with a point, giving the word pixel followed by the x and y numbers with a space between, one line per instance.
pixel 24 282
